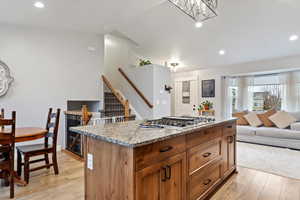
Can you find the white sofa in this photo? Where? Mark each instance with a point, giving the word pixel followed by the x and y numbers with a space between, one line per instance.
pixel 287 138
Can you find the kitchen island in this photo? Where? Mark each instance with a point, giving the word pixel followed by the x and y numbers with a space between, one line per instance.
pixel 124 161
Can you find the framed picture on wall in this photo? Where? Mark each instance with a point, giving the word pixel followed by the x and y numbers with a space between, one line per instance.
pixel 208 88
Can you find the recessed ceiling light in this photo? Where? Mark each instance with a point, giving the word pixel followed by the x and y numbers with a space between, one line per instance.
pixel 198 24
pixel 294 37
pixel 222 52
pixel 39 4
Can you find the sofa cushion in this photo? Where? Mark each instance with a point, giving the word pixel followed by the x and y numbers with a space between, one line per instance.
pixel 245 130
pixel 296 115
pixel 264 117
pixel 295 126
pixel 253 119
pixel 241 119
pixel 282 119
pixel 277 133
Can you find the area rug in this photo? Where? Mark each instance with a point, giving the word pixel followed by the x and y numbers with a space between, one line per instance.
pixel 279 161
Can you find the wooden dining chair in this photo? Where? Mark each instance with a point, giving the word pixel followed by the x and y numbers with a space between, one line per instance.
pixel 7 148
pixel 2 128
pixel 45 149
pixel 2 117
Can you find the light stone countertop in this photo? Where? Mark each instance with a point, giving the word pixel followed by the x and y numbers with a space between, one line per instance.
pixel 130 134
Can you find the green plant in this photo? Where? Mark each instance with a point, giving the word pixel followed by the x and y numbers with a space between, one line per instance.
pixel 207 104
pixel 200 107
pixel 144 62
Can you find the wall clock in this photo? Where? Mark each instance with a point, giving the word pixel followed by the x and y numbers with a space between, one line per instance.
pixel 5 78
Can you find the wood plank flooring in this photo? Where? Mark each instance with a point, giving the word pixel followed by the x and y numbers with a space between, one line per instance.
pixel 44 185
pixel 246 185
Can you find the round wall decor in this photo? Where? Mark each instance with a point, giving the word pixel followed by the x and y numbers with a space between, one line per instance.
pixel 5 78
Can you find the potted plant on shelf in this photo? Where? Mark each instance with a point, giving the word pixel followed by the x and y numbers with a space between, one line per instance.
pixel 144 62
pixel 207 105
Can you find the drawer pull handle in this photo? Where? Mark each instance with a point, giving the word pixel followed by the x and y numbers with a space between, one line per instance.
pixel 206 154
pixel 165 149
pixel 229 126
pixel 230 139
pixel 169 172
pixel 164 178
pixel 206 182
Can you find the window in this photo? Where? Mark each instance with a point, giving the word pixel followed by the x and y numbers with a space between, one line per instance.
pixel 234 92
pixel 186 97
pixel 262 92
pixel 267 93
pixel 297 96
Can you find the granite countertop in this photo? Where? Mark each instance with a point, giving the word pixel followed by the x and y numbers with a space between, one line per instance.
pixel 130 134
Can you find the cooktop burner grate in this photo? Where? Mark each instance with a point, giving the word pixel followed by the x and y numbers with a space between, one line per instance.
pixel 182 121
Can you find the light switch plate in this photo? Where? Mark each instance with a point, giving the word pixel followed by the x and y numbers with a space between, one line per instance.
pixel 90 161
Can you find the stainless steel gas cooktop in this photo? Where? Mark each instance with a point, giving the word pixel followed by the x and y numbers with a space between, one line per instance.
pixel 177 121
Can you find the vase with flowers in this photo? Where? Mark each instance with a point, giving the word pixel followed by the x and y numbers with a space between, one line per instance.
pixel 207 105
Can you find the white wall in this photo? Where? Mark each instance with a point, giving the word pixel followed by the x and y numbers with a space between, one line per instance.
pixel 257 67
pixel 161 98
pixel 119 52
pixel 142 77
pixel 123 53
pixel 49 67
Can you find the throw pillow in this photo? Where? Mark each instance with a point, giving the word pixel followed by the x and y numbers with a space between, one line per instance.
pixel 282 119
pixel 241 119
pixel 253 119
pixel 264 117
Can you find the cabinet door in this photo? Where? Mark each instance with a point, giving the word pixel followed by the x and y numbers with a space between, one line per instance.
pixel 163 181
pixel 228 148
pixel 231 152
pixel 173 186
pixel 148 182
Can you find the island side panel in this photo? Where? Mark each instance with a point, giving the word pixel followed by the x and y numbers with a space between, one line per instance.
pixel 112 176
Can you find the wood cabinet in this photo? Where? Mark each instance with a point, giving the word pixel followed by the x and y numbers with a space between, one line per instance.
pixel 163 180
pixel 186 167
pixel 204 181
pixel 159 151
pixel 229 149
pixel 204 157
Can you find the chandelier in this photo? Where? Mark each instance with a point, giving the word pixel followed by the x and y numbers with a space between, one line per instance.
pixel 198 10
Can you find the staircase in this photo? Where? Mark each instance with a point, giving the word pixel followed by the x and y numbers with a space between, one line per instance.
pixel 114 103
pixel 112 106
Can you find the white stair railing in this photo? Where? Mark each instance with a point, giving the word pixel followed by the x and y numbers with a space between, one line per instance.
pixel 106 120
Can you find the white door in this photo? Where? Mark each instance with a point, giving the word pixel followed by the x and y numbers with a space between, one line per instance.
pixel 186 96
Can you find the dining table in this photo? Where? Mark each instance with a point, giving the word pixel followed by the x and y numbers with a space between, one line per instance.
pixel 25 134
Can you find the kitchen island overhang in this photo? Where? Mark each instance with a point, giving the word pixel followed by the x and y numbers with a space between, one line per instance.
pixel 125 161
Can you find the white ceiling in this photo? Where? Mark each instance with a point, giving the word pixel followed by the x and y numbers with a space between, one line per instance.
pixel 247 29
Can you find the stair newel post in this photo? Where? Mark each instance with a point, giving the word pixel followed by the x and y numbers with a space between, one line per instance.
pixel 127 110
pixel 86 116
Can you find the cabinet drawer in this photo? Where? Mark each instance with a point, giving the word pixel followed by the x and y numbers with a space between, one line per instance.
pixel 152 153
pixel 203 136
pixel 201 155
pixel 229 129
pixel 204 180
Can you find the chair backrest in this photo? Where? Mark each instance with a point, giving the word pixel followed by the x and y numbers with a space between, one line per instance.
pixel 52 127
pixel 2 113
pixel 7 134
pixel 2 117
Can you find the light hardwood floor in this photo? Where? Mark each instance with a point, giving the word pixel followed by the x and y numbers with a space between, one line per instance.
pixel 44 185
pixel 246 185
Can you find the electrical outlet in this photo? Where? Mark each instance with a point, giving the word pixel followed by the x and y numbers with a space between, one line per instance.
pixel 90 161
